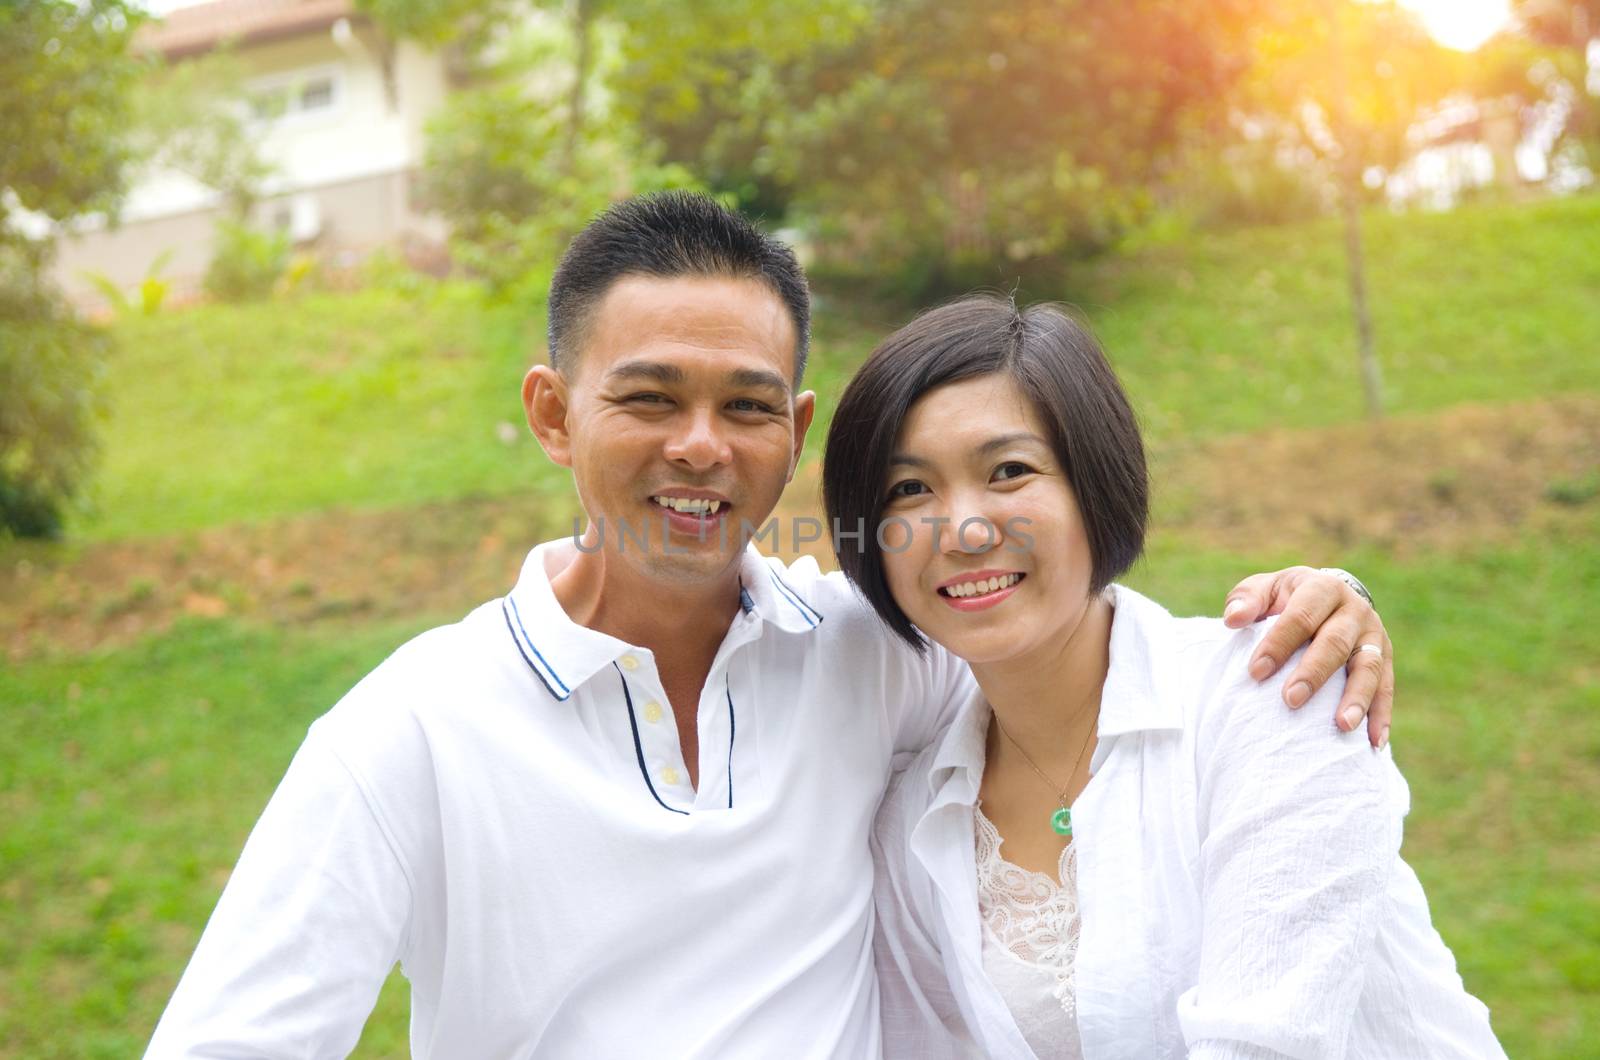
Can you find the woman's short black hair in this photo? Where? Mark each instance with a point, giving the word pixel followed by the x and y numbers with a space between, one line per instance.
pixel 1056 362
pixel 669 234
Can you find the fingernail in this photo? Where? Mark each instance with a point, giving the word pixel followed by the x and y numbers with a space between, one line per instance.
pixel 1352 718
pixel 1233 608
pixel 1261 668
pixel 1383 738
pixel 1299 692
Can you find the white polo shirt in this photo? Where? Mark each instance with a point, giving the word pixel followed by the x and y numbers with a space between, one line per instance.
pixel 502 806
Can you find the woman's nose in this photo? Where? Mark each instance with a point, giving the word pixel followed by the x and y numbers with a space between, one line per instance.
pixel 968 528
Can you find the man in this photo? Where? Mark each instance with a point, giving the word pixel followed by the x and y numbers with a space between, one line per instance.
pixel 625 808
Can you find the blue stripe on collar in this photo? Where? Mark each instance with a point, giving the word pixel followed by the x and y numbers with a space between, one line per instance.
pixel 807 612
pixel 546 674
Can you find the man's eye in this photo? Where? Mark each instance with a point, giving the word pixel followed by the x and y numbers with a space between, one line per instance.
pixel 1012 469
pixel 908 488
pixel 648 399
pixel 749 405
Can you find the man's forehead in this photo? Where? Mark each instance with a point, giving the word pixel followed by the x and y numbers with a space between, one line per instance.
pixel 677 316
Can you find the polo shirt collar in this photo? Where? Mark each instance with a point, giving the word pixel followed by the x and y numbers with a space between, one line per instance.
pixel 1133 700
pixel 564 654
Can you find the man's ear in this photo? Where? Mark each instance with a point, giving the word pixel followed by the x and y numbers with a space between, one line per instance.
pixel 805 407
pixel 544 399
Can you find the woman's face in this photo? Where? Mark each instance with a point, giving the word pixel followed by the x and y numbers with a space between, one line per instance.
pixel 975 454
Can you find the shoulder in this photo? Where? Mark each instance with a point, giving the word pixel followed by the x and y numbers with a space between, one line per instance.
pixel 1195 656
pixel 380 725
pixel 826 596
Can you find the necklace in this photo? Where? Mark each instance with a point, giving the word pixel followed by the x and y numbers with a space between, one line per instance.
pixel 1061 819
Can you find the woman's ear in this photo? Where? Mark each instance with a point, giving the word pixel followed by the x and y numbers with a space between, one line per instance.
pixel 544 399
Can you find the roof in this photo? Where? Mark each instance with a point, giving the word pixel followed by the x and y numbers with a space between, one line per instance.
pixel 194 30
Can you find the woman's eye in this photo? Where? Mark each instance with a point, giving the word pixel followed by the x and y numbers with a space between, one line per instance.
pixel 1013 469
pixel 909 488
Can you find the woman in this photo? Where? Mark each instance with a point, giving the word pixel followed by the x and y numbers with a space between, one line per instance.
pixel 1122 847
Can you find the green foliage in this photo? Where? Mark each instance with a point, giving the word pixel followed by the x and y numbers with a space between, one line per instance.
pixel 935 130
pixel 516 175
pixel 151 293
pixel 66 72
pixel 191 118
pixel 67 77
pixel 246 262
pixel 50 402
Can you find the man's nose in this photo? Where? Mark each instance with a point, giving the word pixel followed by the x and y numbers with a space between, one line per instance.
pixel 697 442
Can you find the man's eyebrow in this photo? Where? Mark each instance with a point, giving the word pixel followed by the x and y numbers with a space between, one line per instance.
pixel 652 370
pixel 760 378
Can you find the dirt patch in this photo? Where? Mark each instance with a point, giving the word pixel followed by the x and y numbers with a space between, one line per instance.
pixel 1412 485
pixel 1465 476
pixel 369 565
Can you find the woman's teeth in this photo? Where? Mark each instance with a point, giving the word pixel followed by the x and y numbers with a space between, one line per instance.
pixel 689 506
pixel 989 585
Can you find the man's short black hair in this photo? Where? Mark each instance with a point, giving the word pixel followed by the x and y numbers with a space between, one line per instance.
pixel 669 234
pixel 1060 367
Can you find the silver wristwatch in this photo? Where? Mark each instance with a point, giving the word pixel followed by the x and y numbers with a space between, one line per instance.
pixel 1350 580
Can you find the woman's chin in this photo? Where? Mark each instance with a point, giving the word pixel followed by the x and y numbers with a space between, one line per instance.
pixel 981 647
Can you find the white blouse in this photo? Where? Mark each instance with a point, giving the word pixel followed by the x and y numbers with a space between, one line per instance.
pixel 1238 878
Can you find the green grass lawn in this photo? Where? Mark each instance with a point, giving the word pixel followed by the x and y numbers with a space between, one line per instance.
pixel 384 398
pixel 130 777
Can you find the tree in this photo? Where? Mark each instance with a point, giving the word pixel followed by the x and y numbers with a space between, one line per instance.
pixel 1569 30
pixel 192 118
pixel 63 119
pixel 937 130
pixel 1346 81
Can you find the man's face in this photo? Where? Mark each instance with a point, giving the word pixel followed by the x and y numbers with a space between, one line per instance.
pixel 678 419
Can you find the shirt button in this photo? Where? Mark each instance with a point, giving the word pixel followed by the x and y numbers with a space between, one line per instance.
pixel 630 662
pixel 652 712
pixel 669 776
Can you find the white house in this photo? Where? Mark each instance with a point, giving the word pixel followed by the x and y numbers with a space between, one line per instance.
pixel 340 113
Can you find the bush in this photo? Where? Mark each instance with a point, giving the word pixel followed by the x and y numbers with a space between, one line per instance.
pixel 246 263
pixel 50 368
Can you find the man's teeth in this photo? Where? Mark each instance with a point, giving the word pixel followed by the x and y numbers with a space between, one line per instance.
pixel 689 505
pixel 988 586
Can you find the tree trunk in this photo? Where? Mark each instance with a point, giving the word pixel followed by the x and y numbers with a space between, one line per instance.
pixel 582 31
pixel 1371 375
pixel 1350 211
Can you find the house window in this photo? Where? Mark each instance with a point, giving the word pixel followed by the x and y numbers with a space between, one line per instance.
pixel 316 94
pixel 285 97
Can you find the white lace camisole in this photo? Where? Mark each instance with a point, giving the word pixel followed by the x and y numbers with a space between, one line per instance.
pixel 1030 942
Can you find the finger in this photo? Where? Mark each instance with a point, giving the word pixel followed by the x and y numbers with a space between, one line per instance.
pixel 1328 653
pixel 1307 609
pixel 1248 600
pixel 1364 675
pixel 1382 713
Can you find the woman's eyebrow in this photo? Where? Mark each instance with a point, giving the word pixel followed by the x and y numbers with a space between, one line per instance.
pixel 1004 440
pixel 908 460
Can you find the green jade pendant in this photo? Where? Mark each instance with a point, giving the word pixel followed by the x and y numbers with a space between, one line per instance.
pixel 1061 821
